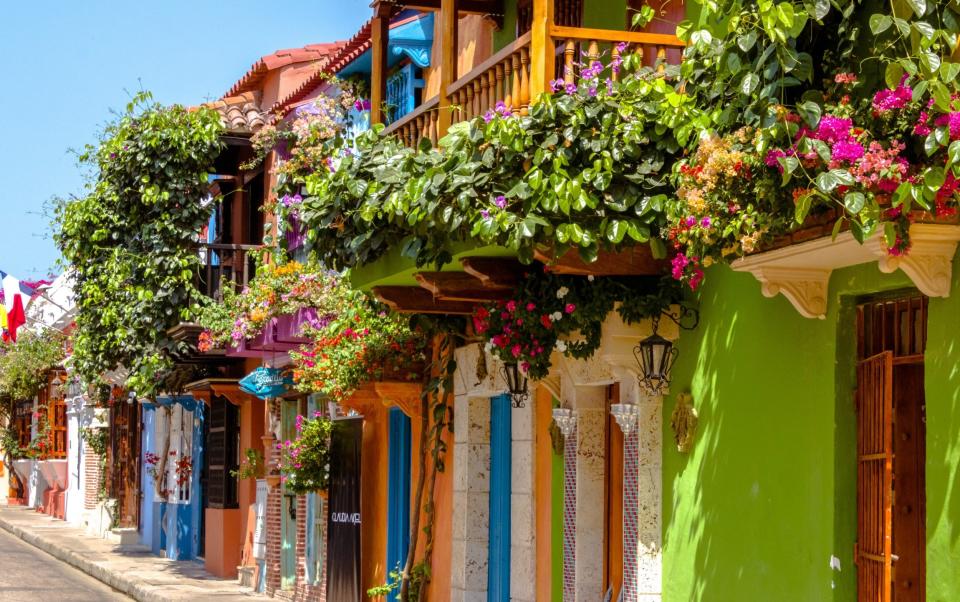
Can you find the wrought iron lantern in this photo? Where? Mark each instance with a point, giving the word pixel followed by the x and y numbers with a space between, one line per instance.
pixel 54 391
pixel 655 355
pixel 566 420
pixel 516 384
pixel 626 415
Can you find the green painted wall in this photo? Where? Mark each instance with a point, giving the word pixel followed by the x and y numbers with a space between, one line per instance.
pixel 767 497
pixel 942 384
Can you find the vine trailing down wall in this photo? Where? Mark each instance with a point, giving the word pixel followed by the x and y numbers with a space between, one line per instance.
pixel 131 238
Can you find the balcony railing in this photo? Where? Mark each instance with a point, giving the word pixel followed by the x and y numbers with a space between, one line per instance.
pixel 225 264
pixel 506 76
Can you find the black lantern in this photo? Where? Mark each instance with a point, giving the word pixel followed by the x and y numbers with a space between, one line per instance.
pixel 655 355
pixel 516 383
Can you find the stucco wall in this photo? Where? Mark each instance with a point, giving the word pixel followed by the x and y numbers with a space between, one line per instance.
pixel 764 506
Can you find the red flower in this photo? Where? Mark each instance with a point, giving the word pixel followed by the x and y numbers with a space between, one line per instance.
pixel 547 323
pixel 570 308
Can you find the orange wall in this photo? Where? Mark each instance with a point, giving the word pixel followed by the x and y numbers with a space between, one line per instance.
pixel 474 45
pixel 251 430
pixel 222 545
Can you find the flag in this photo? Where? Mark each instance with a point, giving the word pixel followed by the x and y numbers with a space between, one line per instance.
pixel 14 294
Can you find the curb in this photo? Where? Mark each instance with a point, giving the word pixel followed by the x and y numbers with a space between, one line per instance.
pixel 138 590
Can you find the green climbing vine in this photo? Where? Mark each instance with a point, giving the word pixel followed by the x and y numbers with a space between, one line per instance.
pixel 131 238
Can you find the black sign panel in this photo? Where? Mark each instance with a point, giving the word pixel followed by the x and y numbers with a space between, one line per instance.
pixel 343 522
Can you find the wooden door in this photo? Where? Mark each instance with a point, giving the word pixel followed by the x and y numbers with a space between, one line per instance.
pixel 125 461
pixel 874 477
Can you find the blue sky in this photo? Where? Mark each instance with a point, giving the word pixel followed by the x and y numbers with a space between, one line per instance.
pixel 68 64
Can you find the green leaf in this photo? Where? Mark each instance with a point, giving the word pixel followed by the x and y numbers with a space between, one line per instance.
pixel 879 23
pixel 786 14
pixel 617 230
pixel 818 8
pixel 837 225
pixel 657 248
pixel 856 228
pixel 953 152
pixel 949 71
pixel 802 207
pixel 789 164
pixel 683 29
pixel 919 6
pixel 924 29
pixel 930 144
pixel 893 75
pixel 853 202
pixel 749 83
pixel 733 63
pixel 810 112
pixel 930 62
pixel 941 96
pixel 746 41
pixel 890 234
pixel 934 178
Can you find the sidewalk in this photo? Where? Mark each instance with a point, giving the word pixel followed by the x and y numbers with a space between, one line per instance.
pixel 133 571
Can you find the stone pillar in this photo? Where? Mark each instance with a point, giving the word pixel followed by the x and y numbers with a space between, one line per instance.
pixel 649 440
pixel 589 402
pixel 471 504
pixel 523 557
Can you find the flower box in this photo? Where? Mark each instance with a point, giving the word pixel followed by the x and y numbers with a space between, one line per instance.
pixel 280 335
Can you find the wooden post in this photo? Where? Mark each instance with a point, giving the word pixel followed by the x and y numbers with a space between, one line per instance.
pixel 541 48
pixel 379 39
pixel 448 62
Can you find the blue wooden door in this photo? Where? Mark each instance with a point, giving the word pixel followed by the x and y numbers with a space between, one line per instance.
pixel 498 562
pixel 398 512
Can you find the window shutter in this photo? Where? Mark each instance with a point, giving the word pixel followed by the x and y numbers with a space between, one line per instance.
pixel 222 454
pixel 874 554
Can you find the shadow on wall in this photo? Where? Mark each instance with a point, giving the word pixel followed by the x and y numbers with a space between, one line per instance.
pixel 942 384
pixel 749 512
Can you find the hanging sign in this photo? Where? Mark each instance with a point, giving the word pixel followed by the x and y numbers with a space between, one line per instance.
pixel 343 522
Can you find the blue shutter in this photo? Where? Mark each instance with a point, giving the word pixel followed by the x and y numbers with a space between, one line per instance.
pixel 498 562
pixel 398 509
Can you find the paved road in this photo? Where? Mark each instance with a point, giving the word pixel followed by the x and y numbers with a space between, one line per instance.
pixel 29 575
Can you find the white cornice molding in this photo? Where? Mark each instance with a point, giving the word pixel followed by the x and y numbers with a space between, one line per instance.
pixel 801 272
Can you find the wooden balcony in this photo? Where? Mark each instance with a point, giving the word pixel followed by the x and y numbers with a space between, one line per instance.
pixel 225 264
pixel 519 72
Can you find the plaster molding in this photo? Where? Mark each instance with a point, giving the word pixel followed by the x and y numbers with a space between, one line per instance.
pixel 801 272
pixel 467 382
pixel 417 51
pixel 404 395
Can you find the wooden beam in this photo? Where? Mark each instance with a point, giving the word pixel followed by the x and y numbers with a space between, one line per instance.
pixel 542 54
pixel 379 39
pixel 413 299
pixel 495 272
pixel 635 261
pixel 469 7
pixel 459 286
pixel 448 61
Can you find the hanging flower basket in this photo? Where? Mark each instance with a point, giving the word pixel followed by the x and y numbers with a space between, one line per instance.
pixel 305 459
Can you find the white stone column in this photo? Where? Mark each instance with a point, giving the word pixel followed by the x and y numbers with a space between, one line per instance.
pixel 649 498
pixel 471 503
pixel 523 528
pixel 589 404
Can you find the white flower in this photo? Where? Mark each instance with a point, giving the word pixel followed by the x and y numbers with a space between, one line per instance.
pixel 488 347
pixel 590 277
pixel 562 292
pixel 561 346
pixel 556 316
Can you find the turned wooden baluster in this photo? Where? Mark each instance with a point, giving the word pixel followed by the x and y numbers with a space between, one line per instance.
pixel 477 108
pixel 498 84
pixel 469 104
pixel 433 128
pixel 593 52
pixel 508 88
pixel 661 59
pixel 569 51
pixel 524 80
pixel 485 87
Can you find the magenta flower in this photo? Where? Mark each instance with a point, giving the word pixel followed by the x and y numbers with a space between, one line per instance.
pixel 531 306
pixel 847 150
pixel 705 222
pixel 833 129
pixel 557 85
pixel 500 201
pixel 679 265
pixel 515 350
pixel 571 88
pixel 888 100
pixel 951 121
pixel 570 308
pixel 691 221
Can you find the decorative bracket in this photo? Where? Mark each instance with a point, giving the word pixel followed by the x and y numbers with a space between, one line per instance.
pixel 801 272
pixel 417 50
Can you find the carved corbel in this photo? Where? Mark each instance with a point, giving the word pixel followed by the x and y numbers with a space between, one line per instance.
pixel 806 289
pixel 929 263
